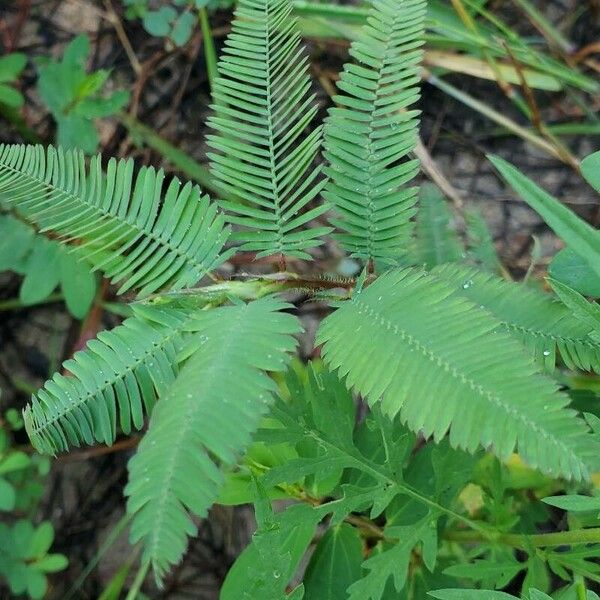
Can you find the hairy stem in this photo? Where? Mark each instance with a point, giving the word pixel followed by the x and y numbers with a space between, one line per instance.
pixel 575 537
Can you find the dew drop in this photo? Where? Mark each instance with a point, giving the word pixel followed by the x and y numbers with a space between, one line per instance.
pixel 467 284
pixel 546 353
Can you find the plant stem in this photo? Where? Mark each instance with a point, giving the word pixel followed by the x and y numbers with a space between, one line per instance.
pixel 575 537
pixel 112 537
pixel 14 303
pixel 210 54
pixel 179 159
pixel 138 581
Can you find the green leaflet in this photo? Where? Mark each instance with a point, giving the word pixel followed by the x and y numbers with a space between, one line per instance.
pixel 575 271
pixel 264 569
pixel 574 502
pixel 44 264
pixel 75 97
pixel 335 564
pixel 394 561
pixel 480 242
pixel 587 312
pixel 545 326
pixel 590 169
pixel 11 66
pixel 490 595
pixel 122 226
pixel 408 342
pixel 475 595
pixel 436 242
pixel 579 235
pixel 371 132
pixel 204 421
pixel 113 382
pixel 493 573
pixel 262 108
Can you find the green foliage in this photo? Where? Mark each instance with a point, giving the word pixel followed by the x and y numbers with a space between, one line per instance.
pixel 120 225
pixel 544 325
pixel 481 244
pixel 75 97
pixel 490 595
pixel 25 560
pixel 417 326
pixel 44 265
pixel 412 453
pixel 265 567
pixel 262 107
pixel 583 241
pixel 335 564
pixel 114 381
pixel 370 133
pixel 11 67
pixel 436 242
pixel 223 382
pixel 174 20
pixel 590 169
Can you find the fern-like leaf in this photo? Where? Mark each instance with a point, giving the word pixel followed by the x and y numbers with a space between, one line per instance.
pixel 204 421
pixel 436 242
pixel 410 342
pixel 114 381
pixel 121 226
pixel 369 135
pixel 262 108
pixel 541 322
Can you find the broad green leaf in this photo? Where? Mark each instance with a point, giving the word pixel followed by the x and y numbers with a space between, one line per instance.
pixel 493 573
pixel 574 502
pixel 265 567
pixel 578 235
pixel 41 541
pixel 11 66
pixel 16 240
pixel 7 495
pixel 37 584
pixel 394 561
pixel 10 96
pixel 158 22
pixel 537 577
pixel 334 565
pixel 183 27
pixel 78 283
pixel 575 271
pixel 590 169
pixel 42 272
pixel 52 563
pixel 14 461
